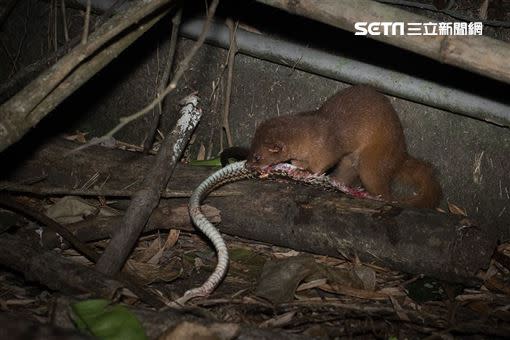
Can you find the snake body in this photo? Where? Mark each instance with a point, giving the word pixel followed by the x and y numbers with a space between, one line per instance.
pixel 230 173
pixel 236 172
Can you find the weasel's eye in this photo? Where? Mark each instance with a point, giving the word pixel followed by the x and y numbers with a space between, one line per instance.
pixel 257 157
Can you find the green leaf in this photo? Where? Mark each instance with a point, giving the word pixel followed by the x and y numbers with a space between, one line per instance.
pixel 105 321
pixel 215 162
pixel 87 310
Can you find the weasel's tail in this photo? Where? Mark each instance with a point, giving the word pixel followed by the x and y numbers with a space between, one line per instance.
pixel 420 175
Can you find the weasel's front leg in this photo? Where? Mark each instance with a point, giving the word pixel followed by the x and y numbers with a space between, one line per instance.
pixel 347 170
pixel 303 165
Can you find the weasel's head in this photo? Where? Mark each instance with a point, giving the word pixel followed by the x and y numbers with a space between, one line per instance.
pixel 267 153
pixel 271 143
pixel 268 147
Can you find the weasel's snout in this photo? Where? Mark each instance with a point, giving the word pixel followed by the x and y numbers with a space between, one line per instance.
pixel 254 160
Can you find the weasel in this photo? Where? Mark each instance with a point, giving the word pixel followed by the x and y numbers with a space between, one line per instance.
pixel 354 134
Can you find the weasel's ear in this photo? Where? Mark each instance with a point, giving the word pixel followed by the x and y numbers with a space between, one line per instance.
pixel 276 147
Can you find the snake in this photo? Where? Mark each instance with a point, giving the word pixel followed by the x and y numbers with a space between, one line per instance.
pixel 236 172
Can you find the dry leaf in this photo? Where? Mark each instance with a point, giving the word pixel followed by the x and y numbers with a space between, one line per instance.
pixel 366 275
pixel 171 239
pixel 19 302
pixel 399 310
pixel 393 291
pixel 155 259
pixel 279 321
pixel 311 284
pixel 454 209
pixel 497 285
pixel 359 293
pixel 483 9
pixel 80 137
pixel 70 209
pixel 146 254
pixel 280 277
pixel 201 153
pixel 477 169
pixel 290 253
pixel 150 273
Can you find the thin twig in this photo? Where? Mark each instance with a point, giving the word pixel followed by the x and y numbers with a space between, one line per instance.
pixel 8 54
pixel 52 191
pixel 231 60
pixel 86 24
pixel 64 19
pixel 55 25
pixel 176 22
pixel 23 38
pixel 50 13
pixel 183 66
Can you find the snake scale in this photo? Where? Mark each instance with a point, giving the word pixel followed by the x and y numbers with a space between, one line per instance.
pixel 236 172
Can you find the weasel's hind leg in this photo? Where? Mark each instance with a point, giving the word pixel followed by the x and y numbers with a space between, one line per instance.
pixel 376 169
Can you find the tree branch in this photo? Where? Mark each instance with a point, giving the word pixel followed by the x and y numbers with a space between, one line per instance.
pixel 146 199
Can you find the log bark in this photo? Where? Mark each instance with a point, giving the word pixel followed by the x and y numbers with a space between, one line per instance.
pixel 445 246
pixel 162 218
pixel 416 241
pixel 16 326
pixel 480 54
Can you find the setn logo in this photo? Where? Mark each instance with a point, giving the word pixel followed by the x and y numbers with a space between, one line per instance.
pixel 375 28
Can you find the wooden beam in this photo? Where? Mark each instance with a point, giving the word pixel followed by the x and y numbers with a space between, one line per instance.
pixel 479 54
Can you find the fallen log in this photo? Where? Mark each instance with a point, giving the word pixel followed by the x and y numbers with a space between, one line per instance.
pixel 18 327
pixel 448 247
pixel 40 266
pixel 188 323
pixel 102 227
pixel 167 324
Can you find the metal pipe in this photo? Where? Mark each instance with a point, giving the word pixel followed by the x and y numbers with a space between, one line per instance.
pixel 96 5
pixel 355 72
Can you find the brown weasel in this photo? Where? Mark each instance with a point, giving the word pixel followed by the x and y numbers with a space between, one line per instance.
pixel 357 133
